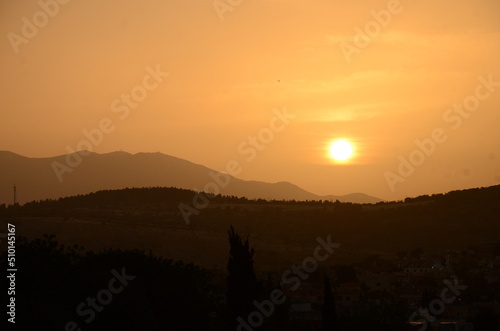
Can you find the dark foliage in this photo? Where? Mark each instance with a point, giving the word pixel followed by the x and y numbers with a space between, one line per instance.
pixel 242 284
pixel 329 308
pixel 54 280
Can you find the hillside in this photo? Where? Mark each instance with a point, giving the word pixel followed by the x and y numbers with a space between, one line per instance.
pixel 282 232
pixel 73 174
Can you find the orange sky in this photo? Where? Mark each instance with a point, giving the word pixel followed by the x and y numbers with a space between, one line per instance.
pixel 225 77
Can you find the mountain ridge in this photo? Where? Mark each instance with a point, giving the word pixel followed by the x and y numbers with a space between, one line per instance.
pixel 36 178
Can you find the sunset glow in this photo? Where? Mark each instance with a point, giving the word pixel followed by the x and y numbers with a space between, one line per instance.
pixel 353 146
pixel 341 150
pixel 192 81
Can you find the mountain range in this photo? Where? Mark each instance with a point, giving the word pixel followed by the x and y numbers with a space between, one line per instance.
pixel 86 172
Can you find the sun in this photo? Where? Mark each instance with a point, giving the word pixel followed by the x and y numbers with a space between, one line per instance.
pixel 340 150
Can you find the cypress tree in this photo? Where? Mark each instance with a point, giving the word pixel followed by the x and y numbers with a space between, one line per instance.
pixel 329 308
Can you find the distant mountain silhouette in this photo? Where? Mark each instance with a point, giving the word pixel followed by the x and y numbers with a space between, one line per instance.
pixel 36 179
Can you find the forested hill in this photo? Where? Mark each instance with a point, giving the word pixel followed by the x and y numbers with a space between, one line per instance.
pixel 282 231
pixel 484 195
pixel 169 197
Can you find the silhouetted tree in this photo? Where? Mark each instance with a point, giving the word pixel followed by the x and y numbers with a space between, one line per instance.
pixel 329 309
pixel 242 284
pixel 426 297
pixel 154 293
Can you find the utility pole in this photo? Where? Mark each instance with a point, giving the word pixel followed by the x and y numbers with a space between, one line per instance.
pixel 15 195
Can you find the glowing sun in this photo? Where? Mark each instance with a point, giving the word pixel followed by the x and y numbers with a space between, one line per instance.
pixel 340 150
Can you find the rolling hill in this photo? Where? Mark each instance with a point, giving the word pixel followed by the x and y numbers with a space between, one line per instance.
pixel 282 232
pixel 73 174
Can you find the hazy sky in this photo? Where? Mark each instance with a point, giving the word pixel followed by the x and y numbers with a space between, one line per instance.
pixel 229 68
